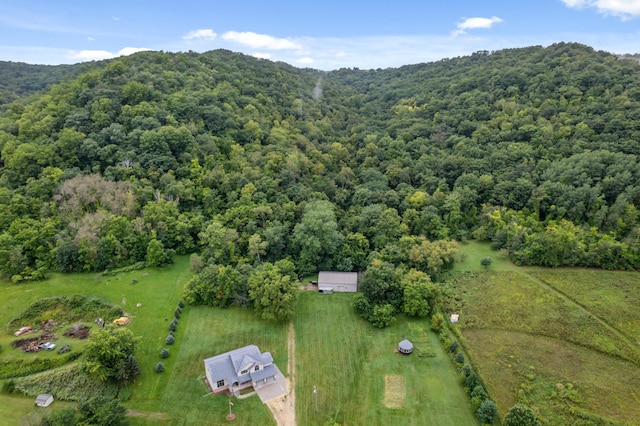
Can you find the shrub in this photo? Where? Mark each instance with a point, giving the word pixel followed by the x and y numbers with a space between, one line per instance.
pixel 487 412
pixel 173 325
pixel 362 306
pixel 520 415
pixel 478 394
pixel 486 262
pixel 170 340
pixel 454 346
pixel 466 370
pixel 159 367
pixel 460 358
pixel 164 353
pixel 180 304
pixel 177 313
pixel 9 386
pixel 472 380
pixel 382 316
pixel 437 322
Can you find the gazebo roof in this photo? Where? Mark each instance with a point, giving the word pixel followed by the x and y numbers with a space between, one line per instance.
pixel 405 345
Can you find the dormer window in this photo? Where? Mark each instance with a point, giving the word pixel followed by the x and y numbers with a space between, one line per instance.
pixel 244 372
pixel 257 368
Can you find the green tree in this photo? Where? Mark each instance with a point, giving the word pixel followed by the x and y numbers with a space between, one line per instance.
pixel 273 294
pixel 382 315
pixel 520 415
pixel 419 294
pixel 487 413
pixel 107 352
pixel 317 237
pixel 486 262
pixel 157 255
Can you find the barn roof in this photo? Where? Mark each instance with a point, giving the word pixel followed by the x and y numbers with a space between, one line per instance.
pixel 326 277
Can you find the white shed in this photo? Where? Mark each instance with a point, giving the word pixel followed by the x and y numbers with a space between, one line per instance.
pixel 346 282
pixel 44 400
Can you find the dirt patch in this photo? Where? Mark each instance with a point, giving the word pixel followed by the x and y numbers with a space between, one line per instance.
pixel 395 391
pixel 148 414
pixel 284 408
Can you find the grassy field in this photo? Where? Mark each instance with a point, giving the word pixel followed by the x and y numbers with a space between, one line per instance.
pixel 157 290
pixel 349 362
pixel 555 350
pixel 471 252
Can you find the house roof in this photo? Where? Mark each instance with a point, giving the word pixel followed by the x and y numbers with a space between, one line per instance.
pixel 227 365
pixel 326 277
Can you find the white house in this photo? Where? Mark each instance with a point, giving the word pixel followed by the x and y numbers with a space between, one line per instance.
pixel 338 281
pixel 240 369
pixel 44 400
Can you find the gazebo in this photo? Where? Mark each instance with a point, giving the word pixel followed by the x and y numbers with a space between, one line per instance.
pixel 405 347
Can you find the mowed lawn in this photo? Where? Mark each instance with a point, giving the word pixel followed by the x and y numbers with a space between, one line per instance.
pixel 208 332
pixel 534 345
pixel 349 362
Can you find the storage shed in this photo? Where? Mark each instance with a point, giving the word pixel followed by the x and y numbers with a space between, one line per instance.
pixel 405 347
pixel 44 400
pixel 346 282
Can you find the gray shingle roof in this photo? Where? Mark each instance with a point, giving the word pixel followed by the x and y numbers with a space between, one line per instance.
pixel 227 365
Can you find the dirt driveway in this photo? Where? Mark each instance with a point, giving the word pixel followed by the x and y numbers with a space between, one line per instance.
pixel 284 407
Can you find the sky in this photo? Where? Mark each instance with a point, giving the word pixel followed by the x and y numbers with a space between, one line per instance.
pixel 322 34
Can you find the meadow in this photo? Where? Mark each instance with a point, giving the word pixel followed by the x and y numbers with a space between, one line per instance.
pixel 549 338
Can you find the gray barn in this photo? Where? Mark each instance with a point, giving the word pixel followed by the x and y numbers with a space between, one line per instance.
pixel 346 282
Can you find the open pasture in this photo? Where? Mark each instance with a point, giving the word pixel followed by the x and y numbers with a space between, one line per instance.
pixel 553 350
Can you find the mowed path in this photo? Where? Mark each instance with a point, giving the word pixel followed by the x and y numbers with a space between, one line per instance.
pixel 599 319
pixel 284 407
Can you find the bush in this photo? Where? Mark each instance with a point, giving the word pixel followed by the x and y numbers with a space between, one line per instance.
pixel 164 353
pixel 173 325
pixel 472 380
pixel 460 358
pixel 170 340
pixel 437 322
pixel 159 367
pixel 382 316
pixel 454 346
pixel 478 394
pixel 520 415
pixel 487 412
pixel 177 313
pixel 9 386
pixel 467 370
pixel 180 304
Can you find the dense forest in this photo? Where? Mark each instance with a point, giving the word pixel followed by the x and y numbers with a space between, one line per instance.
pixel 272 171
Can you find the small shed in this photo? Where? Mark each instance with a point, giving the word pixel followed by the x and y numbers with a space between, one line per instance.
pixel 454 318
pixel 44 400
pixel 405 347
pixel 345 282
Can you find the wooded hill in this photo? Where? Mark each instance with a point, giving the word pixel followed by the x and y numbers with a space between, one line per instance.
pixel 250 161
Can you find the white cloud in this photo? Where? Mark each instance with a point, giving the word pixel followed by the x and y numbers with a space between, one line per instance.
pixel 96 55
pixel 305 61
pixel 625 9
pixel 260 41
pixel 206 34
pixel 90 39
pixel 261 55
pixel 473 23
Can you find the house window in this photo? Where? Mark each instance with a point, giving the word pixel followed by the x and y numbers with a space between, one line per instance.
pixel 244 372
pixel 220 383
pixel 257 368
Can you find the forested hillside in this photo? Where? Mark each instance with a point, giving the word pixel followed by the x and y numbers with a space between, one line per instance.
pixel 20 79
pixel 251 162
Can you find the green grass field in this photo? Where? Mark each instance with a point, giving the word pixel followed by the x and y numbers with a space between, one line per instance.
pixel 347 360
pixel 562 352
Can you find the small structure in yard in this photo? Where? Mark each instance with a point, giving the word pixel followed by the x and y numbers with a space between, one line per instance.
pixel 240 369
pixel 454 318
pixel 346 282
pixel 405 347
pixel 327 290
pixel 44 400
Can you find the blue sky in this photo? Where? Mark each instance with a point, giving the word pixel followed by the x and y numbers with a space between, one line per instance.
pixel 326 34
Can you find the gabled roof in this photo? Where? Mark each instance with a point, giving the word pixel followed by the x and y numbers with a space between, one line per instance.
pixel 327 277
pixel 227 365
